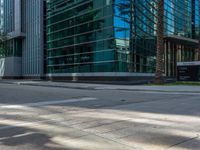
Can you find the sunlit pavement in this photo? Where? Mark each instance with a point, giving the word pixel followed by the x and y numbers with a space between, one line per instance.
pixel 50 118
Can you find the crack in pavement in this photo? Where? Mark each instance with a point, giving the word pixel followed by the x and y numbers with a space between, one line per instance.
pixel 184 141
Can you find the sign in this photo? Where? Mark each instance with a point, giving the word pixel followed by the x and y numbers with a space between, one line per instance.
pixel 191 63
pixel 188 71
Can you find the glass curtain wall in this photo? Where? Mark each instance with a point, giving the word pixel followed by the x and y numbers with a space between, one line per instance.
pixel 135 33
pixel 80 36
pixel 181 18
pixel 113 35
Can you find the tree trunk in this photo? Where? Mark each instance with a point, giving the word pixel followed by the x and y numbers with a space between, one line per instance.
pixel 198 50
pixel 160 44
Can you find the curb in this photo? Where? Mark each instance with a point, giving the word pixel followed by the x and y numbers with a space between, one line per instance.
pixel 102 88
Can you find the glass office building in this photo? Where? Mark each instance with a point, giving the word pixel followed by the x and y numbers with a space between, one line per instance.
pixel 89 36
pixel 80 36
pixel 22 22
pixel 97 37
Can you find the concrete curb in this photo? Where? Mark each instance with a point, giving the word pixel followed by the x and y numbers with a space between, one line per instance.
pixel 100 87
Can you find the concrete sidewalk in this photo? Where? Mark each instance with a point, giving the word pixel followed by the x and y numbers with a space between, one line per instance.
pixel 90 86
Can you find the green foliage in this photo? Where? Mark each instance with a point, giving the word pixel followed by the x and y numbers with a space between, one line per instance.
pixel 178 83
pixel 185 83
pixel 3 39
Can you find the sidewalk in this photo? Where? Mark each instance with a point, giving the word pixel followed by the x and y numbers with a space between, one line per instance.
pixel 90 86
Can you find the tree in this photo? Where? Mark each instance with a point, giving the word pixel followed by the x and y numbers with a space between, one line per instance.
pixel 160 44
pixel 3 39
pixel 198 51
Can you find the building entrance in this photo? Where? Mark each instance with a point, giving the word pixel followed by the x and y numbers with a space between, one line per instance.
pixel 178 49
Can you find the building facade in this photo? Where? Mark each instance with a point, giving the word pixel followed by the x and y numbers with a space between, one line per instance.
pixel 118 37
pixel 80 38
pixel 98 39
pixel 23 23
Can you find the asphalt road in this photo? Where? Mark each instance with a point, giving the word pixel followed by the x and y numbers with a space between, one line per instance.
pixel 50 118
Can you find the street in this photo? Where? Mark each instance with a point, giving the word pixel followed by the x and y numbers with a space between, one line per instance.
pixel 53 118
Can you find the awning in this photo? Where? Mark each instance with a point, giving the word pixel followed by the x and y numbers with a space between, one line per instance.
pixel 182 40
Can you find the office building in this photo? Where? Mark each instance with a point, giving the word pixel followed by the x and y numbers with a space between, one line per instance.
pixel 117 37
pixel 23 23
pixel 99 39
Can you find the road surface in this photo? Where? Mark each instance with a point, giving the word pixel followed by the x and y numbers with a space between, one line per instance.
pixel 52 118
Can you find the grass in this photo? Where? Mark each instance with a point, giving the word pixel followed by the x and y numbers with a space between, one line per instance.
pixel 183 83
